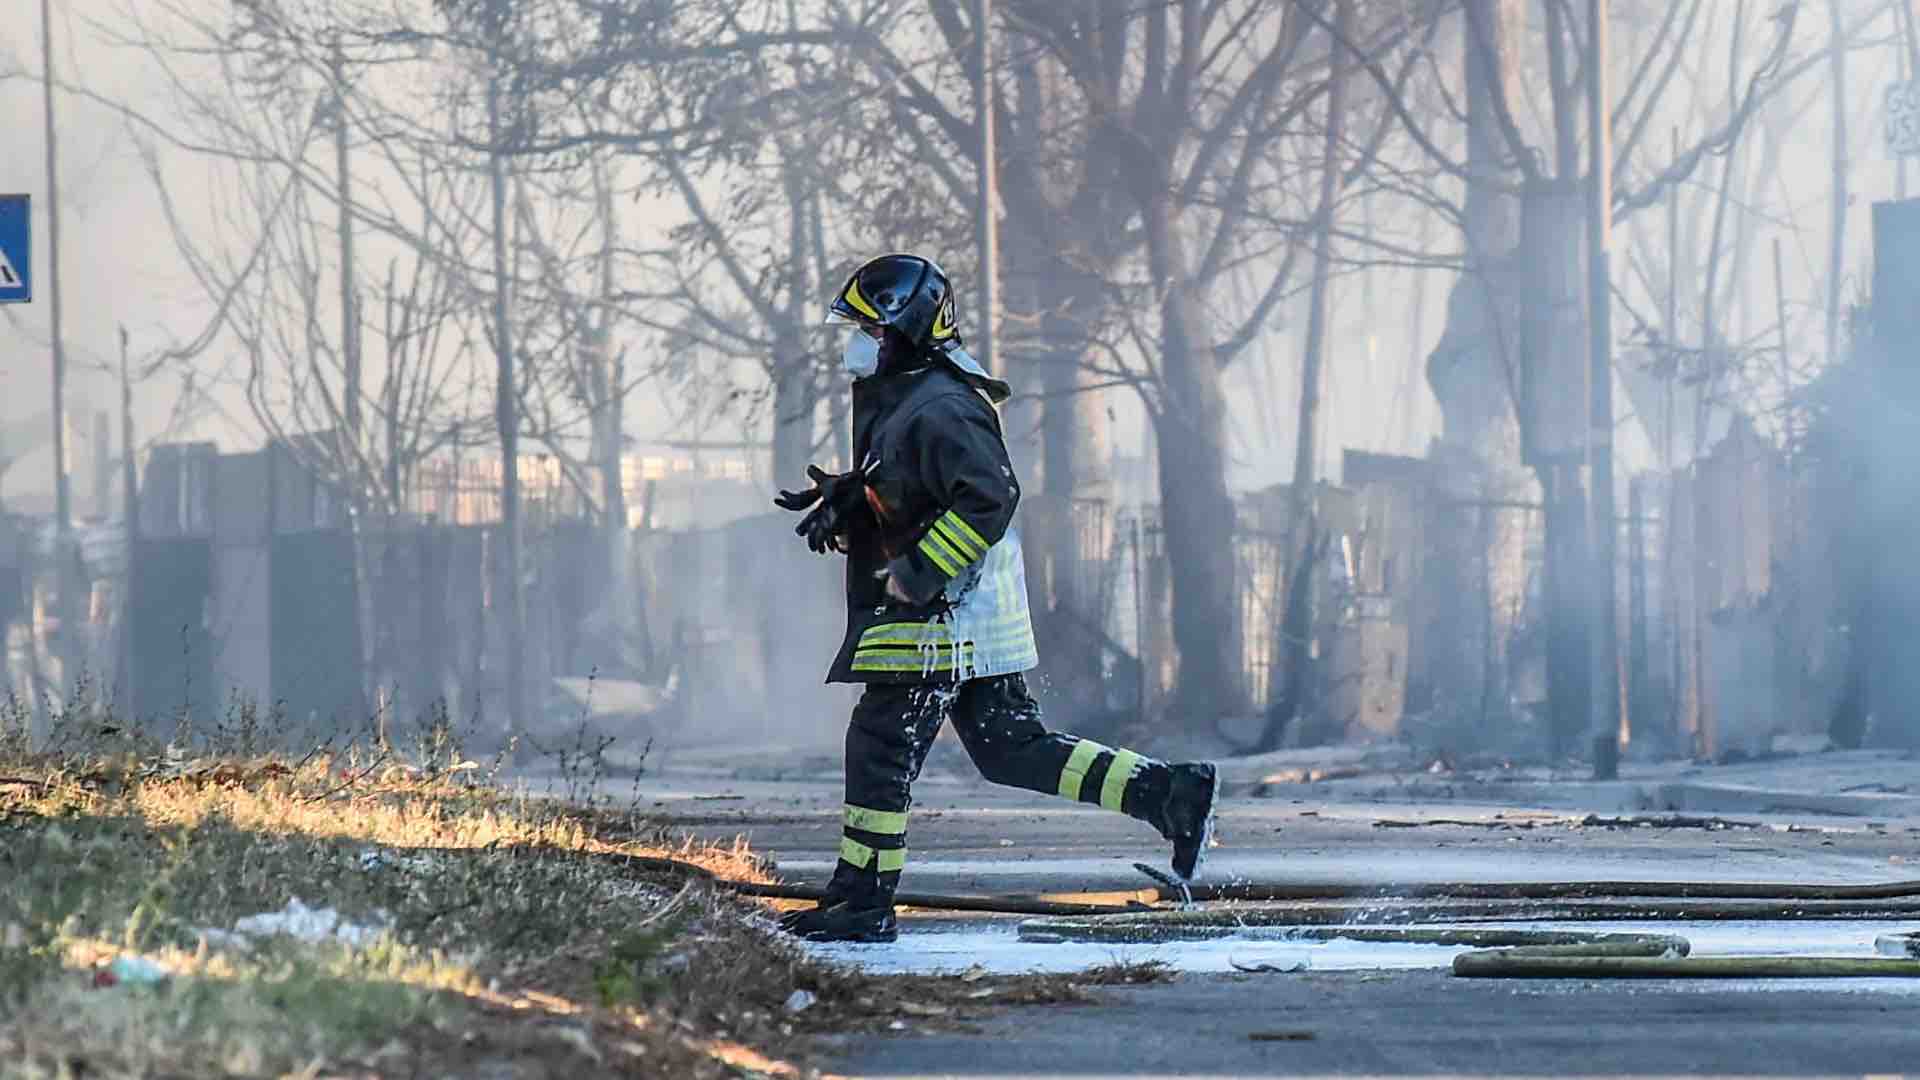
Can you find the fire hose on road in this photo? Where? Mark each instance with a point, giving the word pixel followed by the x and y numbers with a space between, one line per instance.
pixel 1392 914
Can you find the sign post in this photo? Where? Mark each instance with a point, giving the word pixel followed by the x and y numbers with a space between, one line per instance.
pixel 16 264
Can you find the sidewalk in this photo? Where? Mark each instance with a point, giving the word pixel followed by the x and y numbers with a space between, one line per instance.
pixel 1851 783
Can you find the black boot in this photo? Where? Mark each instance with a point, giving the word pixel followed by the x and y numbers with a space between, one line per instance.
pixel 858 907
pixel 1187 819
pixel 839 920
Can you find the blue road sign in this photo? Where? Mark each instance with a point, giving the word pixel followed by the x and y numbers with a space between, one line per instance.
pixel 16 262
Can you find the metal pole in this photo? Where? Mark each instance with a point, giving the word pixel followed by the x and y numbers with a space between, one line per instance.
pixel 349 295
pixel 62 489
pixel 130 511
pixel 988 224
pixel 1606 637
pixel 1139 624
pixel 506 416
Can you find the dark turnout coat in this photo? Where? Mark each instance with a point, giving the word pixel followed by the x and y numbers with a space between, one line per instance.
pixel 941 495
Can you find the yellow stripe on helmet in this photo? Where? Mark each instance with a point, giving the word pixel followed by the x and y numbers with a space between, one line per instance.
pixel 860 302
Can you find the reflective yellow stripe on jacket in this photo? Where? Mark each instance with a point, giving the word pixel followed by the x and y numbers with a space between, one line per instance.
pixel 906 646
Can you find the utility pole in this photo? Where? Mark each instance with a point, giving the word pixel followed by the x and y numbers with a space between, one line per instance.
pixel 1837 202
pixel 1606 637
pixel 349 295
pixel 62 486
pixel 988 226
pixel 506 414
pixel 130 511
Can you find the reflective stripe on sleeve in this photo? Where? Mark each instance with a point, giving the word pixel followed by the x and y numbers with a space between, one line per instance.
pixel 948 561
pixel 964 536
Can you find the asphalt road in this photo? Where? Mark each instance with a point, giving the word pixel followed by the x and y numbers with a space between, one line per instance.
pixel 1418 1024
pixel 970 837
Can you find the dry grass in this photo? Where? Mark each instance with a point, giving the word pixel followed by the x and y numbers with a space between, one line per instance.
pixel 518 937
pixel 528 933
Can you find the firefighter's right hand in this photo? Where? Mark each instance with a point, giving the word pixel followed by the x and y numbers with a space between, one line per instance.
pixel 800 500
pixel 845 491
pixel 839 495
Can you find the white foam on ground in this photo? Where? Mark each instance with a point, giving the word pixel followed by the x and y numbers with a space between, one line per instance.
pixel 999 950
pixel 996 948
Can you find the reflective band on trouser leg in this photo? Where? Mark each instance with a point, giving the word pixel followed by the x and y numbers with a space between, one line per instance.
pixel 883 822
pixel 1119 771
pixel 1075 770
pixel 884 860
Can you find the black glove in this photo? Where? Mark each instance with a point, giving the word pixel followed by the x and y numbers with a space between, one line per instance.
pixel 800 500
pixel 839 496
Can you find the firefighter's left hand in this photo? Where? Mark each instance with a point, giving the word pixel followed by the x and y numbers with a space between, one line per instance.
pixel 822 529
pixel 895 592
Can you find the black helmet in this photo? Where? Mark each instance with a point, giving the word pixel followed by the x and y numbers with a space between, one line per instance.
pixel 906 292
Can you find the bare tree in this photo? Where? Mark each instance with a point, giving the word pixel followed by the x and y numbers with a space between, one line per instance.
pixel 1479 372
pixel 1153 155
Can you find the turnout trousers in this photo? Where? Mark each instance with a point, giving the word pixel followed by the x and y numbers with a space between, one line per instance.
pixel 894 725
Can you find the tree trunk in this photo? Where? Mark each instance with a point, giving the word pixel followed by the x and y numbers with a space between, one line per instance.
pixel 1196 510
pixel 609 389
pixel 1075 504
pixel 1568 640
pixel 792 413
pixel 1477 580
pixel 1297 622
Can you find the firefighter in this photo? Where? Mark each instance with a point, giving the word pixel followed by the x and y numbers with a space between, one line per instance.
pixel 937 623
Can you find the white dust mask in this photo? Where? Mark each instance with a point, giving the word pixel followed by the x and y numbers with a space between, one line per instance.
pixel 862 355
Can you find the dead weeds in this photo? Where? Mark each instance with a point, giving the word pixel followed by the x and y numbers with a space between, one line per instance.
pixel 505 934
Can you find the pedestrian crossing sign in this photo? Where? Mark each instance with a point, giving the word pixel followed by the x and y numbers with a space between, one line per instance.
pixel 16 287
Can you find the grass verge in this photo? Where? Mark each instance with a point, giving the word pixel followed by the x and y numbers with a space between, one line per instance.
pixel 429 923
